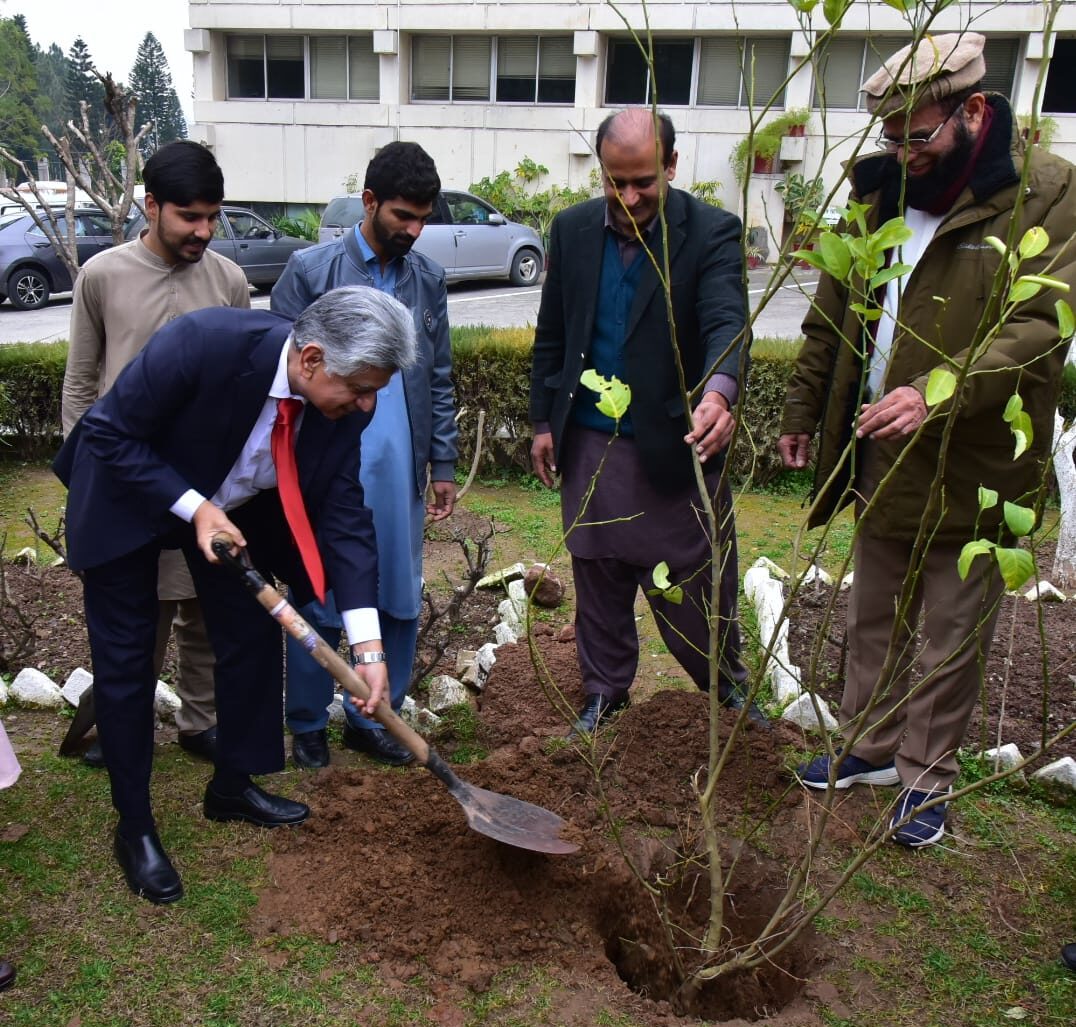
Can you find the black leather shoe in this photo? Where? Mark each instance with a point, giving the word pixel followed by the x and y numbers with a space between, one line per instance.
pixel 93 756
pixel 378 745
pixel 310 749
pixel 733 699
pixel 202 744
pixel 146 865
pixel 7 974
pixel 597 710
pixel 1068 956
pixel 255 806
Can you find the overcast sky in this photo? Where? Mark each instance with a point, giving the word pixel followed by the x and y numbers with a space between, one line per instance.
pixel 112 29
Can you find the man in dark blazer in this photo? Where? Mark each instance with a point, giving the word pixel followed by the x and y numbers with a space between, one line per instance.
pixel 603 308
pixel 180 450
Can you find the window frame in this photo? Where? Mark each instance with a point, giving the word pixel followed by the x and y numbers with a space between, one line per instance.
pixel 307 39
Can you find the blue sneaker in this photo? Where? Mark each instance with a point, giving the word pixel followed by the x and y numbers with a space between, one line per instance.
pixel 925 826
pixel 852 771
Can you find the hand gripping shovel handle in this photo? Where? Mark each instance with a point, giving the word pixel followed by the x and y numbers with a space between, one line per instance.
pixel 293 623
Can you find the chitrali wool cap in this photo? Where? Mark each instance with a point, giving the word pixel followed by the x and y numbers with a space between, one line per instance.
pixel 938 67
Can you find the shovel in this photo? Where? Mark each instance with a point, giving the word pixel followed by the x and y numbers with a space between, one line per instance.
pixel 508 820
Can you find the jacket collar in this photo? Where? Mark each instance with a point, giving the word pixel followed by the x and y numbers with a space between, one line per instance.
pixel 354 253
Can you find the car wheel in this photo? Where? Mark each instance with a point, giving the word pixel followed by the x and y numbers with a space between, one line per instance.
pixel 525 268
pixel 28 289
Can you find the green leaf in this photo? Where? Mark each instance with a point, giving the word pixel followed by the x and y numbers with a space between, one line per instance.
pixel 833 11
pixel 803 6
pixel 835 253
pixel 1023 289
pixel 889 274
pixel 1023 432
pixel 1016 566
pixel 941 384
pixel 865 312
pixel 1046 281
pixel 1035 240
pixel 665 588
pixel 892 233
pixel 1066 323
pixel 987 498
pixel 998 245
pixel 614 396
pixel 812 257
pixel 1019 519
pixel 1012 408
pixel 661 576
pixel 973 549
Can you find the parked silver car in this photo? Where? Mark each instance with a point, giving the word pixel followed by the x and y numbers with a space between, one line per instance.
pixel 254 244
pixel 466 236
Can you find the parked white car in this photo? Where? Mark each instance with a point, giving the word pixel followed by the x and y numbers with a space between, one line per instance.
pixel 466 236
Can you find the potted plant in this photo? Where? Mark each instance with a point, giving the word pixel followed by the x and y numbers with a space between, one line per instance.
pixel 763 147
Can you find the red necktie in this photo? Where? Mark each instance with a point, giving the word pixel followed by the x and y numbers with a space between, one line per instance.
pixel 282 443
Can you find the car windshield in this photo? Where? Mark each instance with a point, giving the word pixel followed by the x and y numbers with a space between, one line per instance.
pixel 344 211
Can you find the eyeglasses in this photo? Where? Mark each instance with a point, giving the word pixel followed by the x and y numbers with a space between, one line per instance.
pixel 915 143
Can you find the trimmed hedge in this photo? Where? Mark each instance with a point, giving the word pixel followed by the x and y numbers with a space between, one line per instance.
pixel 31 384
pixel 491 367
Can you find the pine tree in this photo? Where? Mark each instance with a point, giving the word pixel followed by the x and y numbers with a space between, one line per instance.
pixel 81 84
pixel 151 82
pixel 20 101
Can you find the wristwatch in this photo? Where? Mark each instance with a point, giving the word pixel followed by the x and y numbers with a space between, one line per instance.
pixel 374 657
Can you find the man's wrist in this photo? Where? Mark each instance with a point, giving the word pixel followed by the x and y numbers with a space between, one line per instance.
pixel 360 657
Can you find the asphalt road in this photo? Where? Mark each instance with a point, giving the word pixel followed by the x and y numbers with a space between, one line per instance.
pixel 469 303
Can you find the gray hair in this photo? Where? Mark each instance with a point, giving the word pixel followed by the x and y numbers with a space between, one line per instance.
pixel 358 327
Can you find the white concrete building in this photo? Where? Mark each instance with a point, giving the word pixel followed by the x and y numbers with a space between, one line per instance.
pixel 295 96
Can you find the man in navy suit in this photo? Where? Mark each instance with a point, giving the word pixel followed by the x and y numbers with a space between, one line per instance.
pixel 603 308
pixel 178 451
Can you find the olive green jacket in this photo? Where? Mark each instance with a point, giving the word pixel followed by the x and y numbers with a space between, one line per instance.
pixel 950 300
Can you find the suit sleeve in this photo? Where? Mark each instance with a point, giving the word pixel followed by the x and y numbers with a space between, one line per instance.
pixel 292 293
pixel 721 302
pixel 547 361
pixel 444 432
pixel 86 346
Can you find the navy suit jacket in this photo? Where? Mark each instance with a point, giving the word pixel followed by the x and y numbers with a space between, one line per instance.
pixel 177 418
pixel 706 274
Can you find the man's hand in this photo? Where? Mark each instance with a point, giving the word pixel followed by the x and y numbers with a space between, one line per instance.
pixel 542 458
pixel 795 449
pixel 209 521
pixel 712 426
pixel 444 500
pixel 376 677
pixel 898 413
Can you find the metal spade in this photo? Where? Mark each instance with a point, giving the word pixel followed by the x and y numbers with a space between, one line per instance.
pixel 508 820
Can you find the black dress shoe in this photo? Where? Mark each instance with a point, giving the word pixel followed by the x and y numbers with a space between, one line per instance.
pixel 146 866
pixel 310 749
pixel 1068 956
pixel 597 710
pixel 378 745
pixel 255 806
pixel 732 698
pixel 93 756
pixel 202 744
pixel 7 974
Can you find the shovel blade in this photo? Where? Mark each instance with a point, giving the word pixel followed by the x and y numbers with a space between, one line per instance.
pixel 512 821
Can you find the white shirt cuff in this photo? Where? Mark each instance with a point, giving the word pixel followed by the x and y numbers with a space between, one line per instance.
pixel 185 506
pixel 361 625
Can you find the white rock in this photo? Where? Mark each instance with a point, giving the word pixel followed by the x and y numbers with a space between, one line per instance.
pixel 336 709
pixel 517 592
pixel 3 692
pixel 465 659
pixel 504 634
pixel 484 661
pixel 1062 772
pixel 498 579
pixel 765 563
pixel 801 712
pixel 420 718
pixel 815 575
pixel 25 557
pixel 1046 592
pixel 785 682
pixel 33 688
pixel 1004 758
pixel 165 702
pixel 77 682
pixel 846 581
pixel 446 692
pixel 509 614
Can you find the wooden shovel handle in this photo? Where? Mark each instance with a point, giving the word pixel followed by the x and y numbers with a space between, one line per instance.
pixel 293 623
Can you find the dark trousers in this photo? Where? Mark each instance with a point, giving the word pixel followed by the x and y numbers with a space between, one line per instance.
pixel 121 617
pixel 606 637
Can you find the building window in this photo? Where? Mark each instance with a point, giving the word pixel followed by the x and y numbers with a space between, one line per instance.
pixel 275 68
pixel 1059 96
pixel 628 79
pixel 742 71
pixel 535 69
pixel 450 68
pixel 1001 54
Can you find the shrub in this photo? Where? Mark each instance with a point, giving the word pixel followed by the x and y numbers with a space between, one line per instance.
pixel 31 384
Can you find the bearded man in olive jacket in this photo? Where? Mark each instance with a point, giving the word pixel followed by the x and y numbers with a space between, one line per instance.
pixel 952 167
